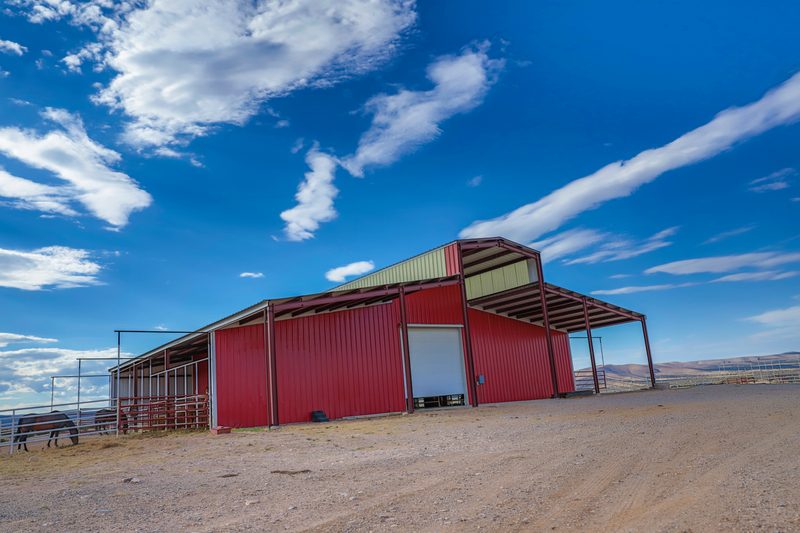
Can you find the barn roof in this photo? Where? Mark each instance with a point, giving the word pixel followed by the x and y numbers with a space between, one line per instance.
pixel 498 275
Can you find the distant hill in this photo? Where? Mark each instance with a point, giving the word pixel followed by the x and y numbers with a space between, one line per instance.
pixel 764 363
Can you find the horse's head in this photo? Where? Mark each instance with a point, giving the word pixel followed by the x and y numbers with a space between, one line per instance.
pixel 74 439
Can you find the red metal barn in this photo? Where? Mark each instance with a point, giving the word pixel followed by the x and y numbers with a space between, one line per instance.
pixel 467 323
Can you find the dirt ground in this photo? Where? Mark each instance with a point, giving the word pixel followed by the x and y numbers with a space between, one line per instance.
pixel 713 458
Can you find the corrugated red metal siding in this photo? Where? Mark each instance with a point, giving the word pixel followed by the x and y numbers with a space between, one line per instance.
pixel 512 355
pixel 564 373
pixel 241 377
pixel 346 363
pixel 451 259
pixel 434 306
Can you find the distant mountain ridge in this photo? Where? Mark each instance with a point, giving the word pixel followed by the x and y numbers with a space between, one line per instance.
pixel 785 361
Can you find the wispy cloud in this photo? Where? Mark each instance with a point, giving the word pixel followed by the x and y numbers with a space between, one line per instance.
pixel 404 121
pixel 727 263
pixel 567 242
pixel 620 248
pixel 732 233
pixel 620 276
pixel 314 197
pixel 774 182
pixel 9 47
pixel 474 182
pixel 767 275
pixel 778 107
pixel 230 56
pixel 401 123
pixel 13 338
pixel 339 274
pixel 251 275
pixel 298 145
pixel 73 157
pixel 55 266
pixel 629 290
pixel 779 317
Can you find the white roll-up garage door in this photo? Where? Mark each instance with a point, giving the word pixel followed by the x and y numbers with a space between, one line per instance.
pixel 437 361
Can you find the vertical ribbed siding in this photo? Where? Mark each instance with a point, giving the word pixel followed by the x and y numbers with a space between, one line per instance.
pixel 563 353
pixel 241 377
pixel 512 355
pixel 498 280
pixel 426 266
pixel 435 306
pixel 451 259
pixel 345 363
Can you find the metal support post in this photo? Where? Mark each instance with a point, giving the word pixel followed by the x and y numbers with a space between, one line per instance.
pixel 649 355
pixel 406 352
pixel 591 347
pixel 272 367
pixel 52 386
pixel 119 352
pixel 79 394
pixel 471 378
pixel 546 319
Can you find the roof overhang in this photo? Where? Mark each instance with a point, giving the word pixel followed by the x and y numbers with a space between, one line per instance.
pixel 482 255
pixel 564 308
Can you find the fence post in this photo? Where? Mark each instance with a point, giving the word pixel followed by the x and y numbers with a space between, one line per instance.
pixel 13 425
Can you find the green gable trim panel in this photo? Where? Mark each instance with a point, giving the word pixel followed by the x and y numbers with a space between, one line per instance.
pixel 498 280
pixel 426 266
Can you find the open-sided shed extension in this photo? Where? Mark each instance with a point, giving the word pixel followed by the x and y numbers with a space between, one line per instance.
pixel 467 323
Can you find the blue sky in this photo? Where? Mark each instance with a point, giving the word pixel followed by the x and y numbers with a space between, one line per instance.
pixel 151 154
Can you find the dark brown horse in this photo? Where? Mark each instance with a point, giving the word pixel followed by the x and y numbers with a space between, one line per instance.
pixel 54 422
pixel 107 418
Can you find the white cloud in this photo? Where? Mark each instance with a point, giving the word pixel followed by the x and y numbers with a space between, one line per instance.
pixel 282 124
pixel 779 317
pixel 401 123
pixel 767 275
pixel 13 338
pixel 778 107
pixel 774 182
pixel 567 242
pixel 27 373
pixel 727 263
pixel 9 47
pixel 629 290
pixel 785 324
pixel 619 249
pixel 298 145
pixel 314 197
pixel 339 274
pixel 161 328
pixel 404 121
pixel 251 275
pixel 73 157
pixel 184 67
pixel 726 234
pixel 54 266
pixel 620 276
pixel 474 182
